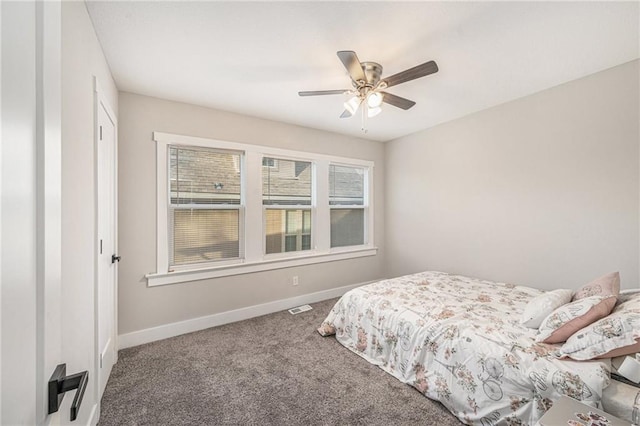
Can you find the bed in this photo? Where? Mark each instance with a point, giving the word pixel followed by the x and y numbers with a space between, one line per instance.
pixel 458 340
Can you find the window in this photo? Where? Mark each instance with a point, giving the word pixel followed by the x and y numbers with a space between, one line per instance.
pixel 286 195
pixel 287 230
pixel 347 204
pixel 227 208
pixel 269 162
pixel 204 205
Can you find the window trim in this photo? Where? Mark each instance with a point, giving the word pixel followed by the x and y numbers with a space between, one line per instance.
pixel 255 259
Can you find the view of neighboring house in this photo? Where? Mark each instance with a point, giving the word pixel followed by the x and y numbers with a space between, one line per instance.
pixel 205 211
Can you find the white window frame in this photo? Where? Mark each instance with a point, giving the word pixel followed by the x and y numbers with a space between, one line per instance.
pixel 253 234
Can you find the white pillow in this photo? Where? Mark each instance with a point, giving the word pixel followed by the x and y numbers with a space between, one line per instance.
pixel 541 306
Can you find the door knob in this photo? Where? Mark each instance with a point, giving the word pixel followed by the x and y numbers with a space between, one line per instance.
pixel 115 258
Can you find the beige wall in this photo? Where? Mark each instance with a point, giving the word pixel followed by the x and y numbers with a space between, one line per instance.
pixel 141 307
pixel 541 191
pixel 82 59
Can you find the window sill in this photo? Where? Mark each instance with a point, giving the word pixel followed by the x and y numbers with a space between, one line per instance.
pixel 251 267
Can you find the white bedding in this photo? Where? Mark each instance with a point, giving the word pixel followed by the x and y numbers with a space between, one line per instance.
pixel 458 340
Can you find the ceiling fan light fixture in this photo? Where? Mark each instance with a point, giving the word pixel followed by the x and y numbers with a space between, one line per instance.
pixel 352 104
pixel 372 112
pixel 369 88
pixel 374 100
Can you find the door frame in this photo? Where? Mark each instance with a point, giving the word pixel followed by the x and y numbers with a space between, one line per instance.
pixel 49 196
pixel 100 101
pixel 33 142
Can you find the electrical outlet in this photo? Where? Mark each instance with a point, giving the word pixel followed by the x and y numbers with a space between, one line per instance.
pixel 294 280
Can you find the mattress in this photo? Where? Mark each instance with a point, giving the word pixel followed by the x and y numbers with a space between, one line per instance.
pixel 458 340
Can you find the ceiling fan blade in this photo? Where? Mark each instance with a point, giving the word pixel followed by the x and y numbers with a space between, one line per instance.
pixel 322 92
pixel 352 64
pixel 345 114
pixel 412 73
pixel 397 101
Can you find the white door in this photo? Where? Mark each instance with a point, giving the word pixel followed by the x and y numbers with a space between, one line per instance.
pixel 30 179
pixel 106 244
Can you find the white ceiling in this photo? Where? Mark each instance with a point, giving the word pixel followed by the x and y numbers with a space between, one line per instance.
pixel 253 57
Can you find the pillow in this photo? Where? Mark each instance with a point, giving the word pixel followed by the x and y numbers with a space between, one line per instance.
pixel 616 335
pixel 606 285
pixel 541 306
pixel 628 294
pixel 622 351
pixel 567 319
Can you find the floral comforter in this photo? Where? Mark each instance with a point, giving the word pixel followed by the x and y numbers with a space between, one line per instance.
pixel 458 340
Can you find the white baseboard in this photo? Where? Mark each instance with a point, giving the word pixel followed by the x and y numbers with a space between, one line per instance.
pixel 93 418
pixel 188 326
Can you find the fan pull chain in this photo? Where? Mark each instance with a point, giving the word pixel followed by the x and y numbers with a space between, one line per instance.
pixel 364 117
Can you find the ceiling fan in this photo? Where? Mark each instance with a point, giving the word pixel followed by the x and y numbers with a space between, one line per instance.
pixel 369 86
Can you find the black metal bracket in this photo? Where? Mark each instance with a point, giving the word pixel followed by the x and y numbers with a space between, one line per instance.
pixel 59 384
pixel 115 258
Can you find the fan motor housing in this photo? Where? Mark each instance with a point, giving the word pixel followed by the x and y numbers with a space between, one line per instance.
pixel 372 72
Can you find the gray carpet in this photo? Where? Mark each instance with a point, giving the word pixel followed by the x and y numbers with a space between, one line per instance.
pixel 271 370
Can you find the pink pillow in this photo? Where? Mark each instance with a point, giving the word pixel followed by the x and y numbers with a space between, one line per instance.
pixel 569 318
pixel 606 285
pixel 625 350
pixel 616 335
